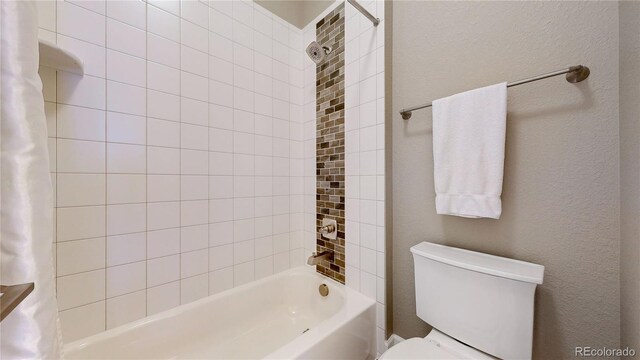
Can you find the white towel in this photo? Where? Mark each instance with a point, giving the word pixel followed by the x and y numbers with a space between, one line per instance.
pixel 468 152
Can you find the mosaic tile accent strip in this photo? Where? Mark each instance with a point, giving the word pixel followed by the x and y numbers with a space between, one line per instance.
pixel 330 192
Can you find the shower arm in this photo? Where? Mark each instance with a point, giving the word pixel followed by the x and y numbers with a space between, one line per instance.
pixel 364 12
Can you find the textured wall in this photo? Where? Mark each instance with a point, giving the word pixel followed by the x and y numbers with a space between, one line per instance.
pixel 560 198
pixel 330 141
pixel 629 174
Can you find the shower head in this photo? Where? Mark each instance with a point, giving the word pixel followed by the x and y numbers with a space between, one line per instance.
pixel 318 53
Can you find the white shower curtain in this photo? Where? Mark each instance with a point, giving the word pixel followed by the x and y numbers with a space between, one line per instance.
pixel 31 331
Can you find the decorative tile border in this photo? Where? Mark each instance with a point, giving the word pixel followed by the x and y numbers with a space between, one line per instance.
pixel 330 170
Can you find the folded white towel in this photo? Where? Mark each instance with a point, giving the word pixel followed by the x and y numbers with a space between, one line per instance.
pixel 468 152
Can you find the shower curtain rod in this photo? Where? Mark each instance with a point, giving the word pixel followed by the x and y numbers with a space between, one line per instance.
pixel 575 74
pixel 364 12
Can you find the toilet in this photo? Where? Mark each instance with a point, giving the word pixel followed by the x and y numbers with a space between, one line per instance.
pixel 480 305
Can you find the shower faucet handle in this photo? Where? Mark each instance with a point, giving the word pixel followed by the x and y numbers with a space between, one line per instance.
pixel 329 229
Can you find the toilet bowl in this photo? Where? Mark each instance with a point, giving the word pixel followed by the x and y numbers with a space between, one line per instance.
pixel 435 345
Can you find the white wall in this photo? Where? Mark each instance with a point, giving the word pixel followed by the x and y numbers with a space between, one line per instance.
pixel 177 158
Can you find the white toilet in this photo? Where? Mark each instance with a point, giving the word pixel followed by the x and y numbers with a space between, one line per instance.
pixel 480 304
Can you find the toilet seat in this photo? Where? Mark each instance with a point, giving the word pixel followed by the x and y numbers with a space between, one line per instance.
pixel 417 348
pixel 435 345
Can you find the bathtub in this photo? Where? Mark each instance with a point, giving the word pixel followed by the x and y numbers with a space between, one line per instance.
pixel 279 317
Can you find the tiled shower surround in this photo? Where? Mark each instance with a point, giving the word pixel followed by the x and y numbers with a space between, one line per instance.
pixel 330 141
pixel 365 156
pixel 364 159
pixel 184 160
pixel 176 158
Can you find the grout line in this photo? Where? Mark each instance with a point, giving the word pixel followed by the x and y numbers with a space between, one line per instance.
pixel 201 101
pixel 208 155
pixel 180 158
pixel 106 190
pixel 146 155
pixel 55 199
pixel 233 160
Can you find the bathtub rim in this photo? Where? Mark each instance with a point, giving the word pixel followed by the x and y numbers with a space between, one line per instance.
pixel 354 304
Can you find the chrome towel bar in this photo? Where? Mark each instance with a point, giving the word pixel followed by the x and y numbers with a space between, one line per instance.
pixel 575 74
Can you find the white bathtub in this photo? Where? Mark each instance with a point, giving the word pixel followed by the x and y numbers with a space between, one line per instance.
pixel 268 318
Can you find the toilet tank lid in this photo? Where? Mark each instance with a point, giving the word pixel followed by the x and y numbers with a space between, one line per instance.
pixel 480 262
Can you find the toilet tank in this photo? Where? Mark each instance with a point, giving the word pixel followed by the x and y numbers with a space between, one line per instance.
pixel 482 300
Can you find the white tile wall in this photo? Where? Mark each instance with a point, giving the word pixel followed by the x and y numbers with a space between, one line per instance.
pixel 176 158
pixel 364 144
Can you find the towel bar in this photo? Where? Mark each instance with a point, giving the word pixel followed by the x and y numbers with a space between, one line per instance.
pixel 575 74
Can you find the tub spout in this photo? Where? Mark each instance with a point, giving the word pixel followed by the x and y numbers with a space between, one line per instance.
pixel 315 258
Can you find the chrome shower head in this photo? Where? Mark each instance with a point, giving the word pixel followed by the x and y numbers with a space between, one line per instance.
pixel 318 53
